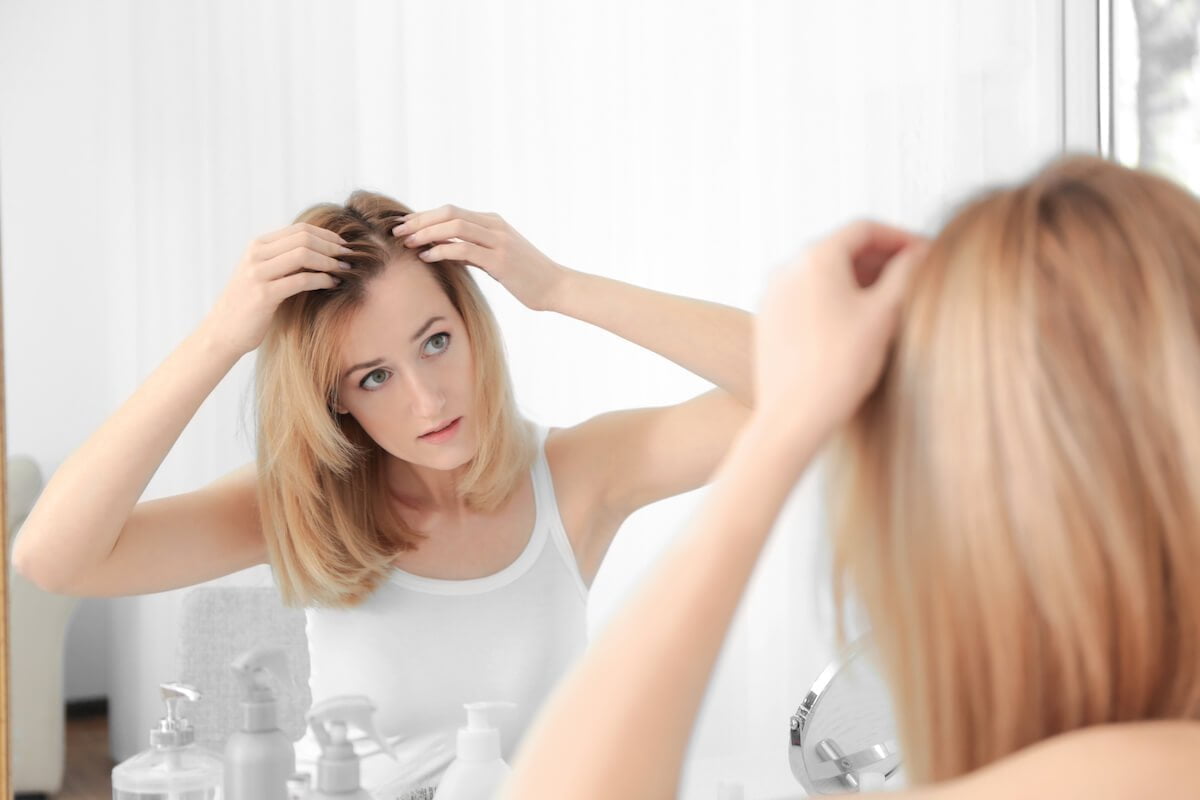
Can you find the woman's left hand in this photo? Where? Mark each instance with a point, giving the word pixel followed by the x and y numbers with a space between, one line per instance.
pixel 826 325
pixel 488 242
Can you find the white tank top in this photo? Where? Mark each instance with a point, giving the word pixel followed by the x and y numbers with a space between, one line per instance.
pixel 421 647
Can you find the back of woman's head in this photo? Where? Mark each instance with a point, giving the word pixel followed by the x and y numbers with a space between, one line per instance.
pixel 1017 506
pixel 330 536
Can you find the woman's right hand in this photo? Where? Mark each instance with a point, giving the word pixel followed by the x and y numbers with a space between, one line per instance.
pixel 275 266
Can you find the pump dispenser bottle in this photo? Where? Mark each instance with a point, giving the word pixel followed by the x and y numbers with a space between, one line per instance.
pixel 338 767
pixel 259 758
pixel 175 767
pixel 478 771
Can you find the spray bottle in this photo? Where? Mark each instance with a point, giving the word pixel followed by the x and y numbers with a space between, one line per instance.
pixel 338 767
pixel 259 758
pixel 478 771
pixel 174 766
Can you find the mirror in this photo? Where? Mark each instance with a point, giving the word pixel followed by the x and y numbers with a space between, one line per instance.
pixel 145 144
pixel 842 738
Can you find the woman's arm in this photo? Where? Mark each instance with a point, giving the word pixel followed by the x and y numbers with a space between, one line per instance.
pixel 635 695
pixel 708 339
pixel 619 724
pixel 621 460
pixel 705 338
pixel 87 534
pixel 79 516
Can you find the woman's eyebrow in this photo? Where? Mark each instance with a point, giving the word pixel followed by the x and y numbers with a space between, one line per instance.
pixel 424 328
pixel 377 361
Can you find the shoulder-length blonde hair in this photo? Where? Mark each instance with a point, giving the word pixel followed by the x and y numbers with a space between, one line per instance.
pixel 1017 505
pixel 330 534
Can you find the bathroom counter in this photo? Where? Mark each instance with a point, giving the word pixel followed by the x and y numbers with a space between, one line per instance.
pixel 763 777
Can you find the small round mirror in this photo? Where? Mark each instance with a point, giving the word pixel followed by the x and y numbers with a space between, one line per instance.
pixel 843 736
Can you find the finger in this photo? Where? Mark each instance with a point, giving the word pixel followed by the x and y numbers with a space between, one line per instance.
pixel 868 233
pixel 457 251
pixel 302 282
pixel 324 233
pixel 301 238
pixel 870 245
pixel 422 219
pixel 299 258
pixel 890 288
pixel 453 229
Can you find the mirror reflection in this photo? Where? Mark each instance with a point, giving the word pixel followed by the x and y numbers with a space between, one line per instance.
pixel 245 411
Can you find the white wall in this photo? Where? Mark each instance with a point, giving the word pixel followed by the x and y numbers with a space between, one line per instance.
pixel 685 146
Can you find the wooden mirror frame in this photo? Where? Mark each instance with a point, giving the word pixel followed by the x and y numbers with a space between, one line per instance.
pixel 5 765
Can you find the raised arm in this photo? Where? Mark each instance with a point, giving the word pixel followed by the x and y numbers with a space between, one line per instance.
pixel 626 458
pixel 84 535
pixel 709 339
pixel 820 346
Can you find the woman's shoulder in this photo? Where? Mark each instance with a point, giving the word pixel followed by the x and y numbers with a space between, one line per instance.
pixel 1126 760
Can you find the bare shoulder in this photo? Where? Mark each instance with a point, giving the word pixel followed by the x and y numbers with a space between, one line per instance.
pixel 1128 760
pixel 571 454
pixel 568 455
pixel 243 478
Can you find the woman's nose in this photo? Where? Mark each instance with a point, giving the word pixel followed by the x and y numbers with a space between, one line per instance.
pixel 427 399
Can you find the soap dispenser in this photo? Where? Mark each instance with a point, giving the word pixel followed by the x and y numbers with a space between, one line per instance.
pixel 259 758
pixel 478 772
pixel 338 767
pixel 174 766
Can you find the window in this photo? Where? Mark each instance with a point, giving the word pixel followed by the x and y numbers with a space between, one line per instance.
pixel 1155 86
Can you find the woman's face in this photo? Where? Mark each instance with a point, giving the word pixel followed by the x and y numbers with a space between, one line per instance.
pixel 406 369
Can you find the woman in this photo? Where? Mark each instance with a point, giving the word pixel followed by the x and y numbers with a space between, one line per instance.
pixel 1016 498
pixel 396 486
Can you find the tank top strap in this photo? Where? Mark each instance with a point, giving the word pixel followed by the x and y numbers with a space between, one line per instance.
pixel 543 487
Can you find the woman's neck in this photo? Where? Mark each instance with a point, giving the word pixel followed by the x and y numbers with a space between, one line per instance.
pixel 425 489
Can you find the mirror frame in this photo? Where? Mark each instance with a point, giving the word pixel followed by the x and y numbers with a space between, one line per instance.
pixel 5 765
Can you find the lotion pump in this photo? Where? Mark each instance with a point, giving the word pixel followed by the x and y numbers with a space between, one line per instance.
pixel 174 766
pixel 479 771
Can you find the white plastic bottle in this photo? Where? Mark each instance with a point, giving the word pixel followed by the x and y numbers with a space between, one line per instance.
pixel 259 758
pixel 478 771
pixel 175 767
pixel 338 769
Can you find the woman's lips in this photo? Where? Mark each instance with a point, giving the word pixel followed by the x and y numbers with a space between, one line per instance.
pixel 443 434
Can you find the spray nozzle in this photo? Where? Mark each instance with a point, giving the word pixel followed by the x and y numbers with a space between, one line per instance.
pixel 252 667
pixel 330 721
pixel 173 730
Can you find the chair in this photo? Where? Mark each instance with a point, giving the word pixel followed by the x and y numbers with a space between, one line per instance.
pixel 37 630
pixel 219 624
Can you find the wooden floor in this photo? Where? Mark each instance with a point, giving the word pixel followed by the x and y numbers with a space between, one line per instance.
pixel 89 766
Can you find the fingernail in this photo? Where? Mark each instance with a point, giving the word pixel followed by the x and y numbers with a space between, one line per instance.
pixel 396 231
pixel 344 265
pixel 411 241
pixel 425 255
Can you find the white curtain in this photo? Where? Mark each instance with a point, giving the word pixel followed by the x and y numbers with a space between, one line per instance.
pixel 686 146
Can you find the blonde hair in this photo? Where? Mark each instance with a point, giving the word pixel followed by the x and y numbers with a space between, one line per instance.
pixel 1017 505
pixel 330 534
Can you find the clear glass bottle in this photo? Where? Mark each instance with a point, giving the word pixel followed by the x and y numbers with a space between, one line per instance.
pixel 175 767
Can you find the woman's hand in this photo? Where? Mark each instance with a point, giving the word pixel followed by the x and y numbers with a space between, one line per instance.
pixel 275 266
pixel 488 242
pixel 827 321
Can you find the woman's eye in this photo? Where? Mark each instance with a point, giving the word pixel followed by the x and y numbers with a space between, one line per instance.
pixel 441 341
pixel 366 382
